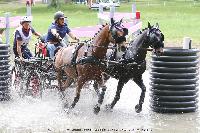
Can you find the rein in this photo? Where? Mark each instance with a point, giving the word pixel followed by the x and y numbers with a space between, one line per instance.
pixel 108 47
pixel 147 49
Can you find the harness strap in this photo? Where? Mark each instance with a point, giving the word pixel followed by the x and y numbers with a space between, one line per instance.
pixel 75 54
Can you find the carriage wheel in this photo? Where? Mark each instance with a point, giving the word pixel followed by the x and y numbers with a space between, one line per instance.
pixel 33 85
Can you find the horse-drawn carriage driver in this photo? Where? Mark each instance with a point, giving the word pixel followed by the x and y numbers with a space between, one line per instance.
pixel 56 32
pixel 22 38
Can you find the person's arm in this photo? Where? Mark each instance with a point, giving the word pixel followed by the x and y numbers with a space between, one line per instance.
pixel 35 33
pixel 73 36
pixel 19 43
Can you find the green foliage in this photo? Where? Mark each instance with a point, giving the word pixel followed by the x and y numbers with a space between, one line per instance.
pixel 54 3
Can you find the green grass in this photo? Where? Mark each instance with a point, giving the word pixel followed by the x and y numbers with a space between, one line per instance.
pixel 177 19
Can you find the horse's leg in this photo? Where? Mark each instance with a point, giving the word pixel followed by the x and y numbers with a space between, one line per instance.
pixel 139 82
pixel 59 78
pixel 100 100
pixel 120 85
pixel 101 95
pixel 80 82
pixel 67 82
pixel 96 87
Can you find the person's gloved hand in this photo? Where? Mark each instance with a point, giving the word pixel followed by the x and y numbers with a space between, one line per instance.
pixel 60 39
pixel 77 39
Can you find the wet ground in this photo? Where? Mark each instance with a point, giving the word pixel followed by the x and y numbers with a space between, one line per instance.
pixel 46 115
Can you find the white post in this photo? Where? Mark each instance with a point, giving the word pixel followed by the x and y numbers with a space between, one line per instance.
pixel 112 11
pixel 133 8
pixel 100 13
pixel 187 43
pixel 44 1
pixel 7 25
pixel 28 9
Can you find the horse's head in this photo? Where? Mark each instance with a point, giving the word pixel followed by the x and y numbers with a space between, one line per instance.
pixel 155 39
pixel 117 32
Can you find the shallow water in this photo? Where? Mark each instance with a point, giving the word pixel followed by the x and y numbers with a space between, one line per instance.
pixel 46 115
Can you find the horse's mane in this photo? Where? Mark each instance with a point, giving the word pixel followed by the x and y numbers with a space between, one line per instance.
pixel 136 44
pixel 100 29
pixel 91 40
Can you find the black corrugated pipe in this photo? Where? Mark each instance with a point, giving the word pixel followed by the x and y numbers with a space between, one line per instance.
pixel 5 76
pixel 174 81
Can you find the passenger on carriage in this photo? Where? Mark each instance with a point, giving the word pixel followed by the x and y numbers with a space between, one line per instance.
pixel 56 32
pixel 22 38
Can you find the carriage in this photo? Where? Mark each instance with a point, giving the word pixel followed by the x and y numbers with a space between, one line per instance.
pixel 33 76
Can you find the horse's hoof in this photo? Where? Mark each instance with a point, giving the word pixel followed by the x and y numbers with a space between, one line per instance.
pixel 138 108
pixel 68 109
pixel 96 109
pixel 108 107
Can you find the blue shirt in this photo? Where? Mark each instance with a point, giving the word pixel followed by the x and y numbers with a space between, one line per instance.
pixel 62 30
pixel 18 37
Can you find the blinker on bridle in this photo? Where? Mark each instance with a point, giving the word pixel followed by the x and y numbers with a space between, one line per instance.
pixel 117 27
pixel 150 36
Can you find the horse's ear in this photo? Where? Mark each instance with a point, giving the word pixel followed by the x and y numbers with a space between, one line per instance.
pixel 112 21
pixel 120 22
pixel 157 25
pixel 149 25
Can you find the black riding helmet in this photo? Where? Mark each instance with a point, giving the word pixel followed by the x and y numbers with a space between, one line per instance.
pixel 58 15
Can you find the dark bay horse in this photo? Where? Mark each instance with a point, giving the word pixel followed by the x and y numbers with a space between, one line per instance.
pixel 132 64
pixel 85 63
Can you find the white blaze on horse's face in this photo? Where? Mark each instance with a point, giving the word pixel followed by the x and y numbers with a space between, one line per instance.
pixel 121 48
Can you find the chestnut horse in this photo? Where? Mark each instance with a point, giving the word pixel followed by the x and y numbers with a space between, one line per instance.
pixel 85 63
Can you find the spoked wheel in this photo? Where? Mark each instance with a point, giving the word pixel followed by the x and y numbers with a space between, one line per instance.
pixel 33 86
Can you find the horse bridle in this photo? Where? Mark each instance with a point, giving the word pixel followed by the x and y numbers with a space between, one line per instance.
pixel 113 30
pixel 150 35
